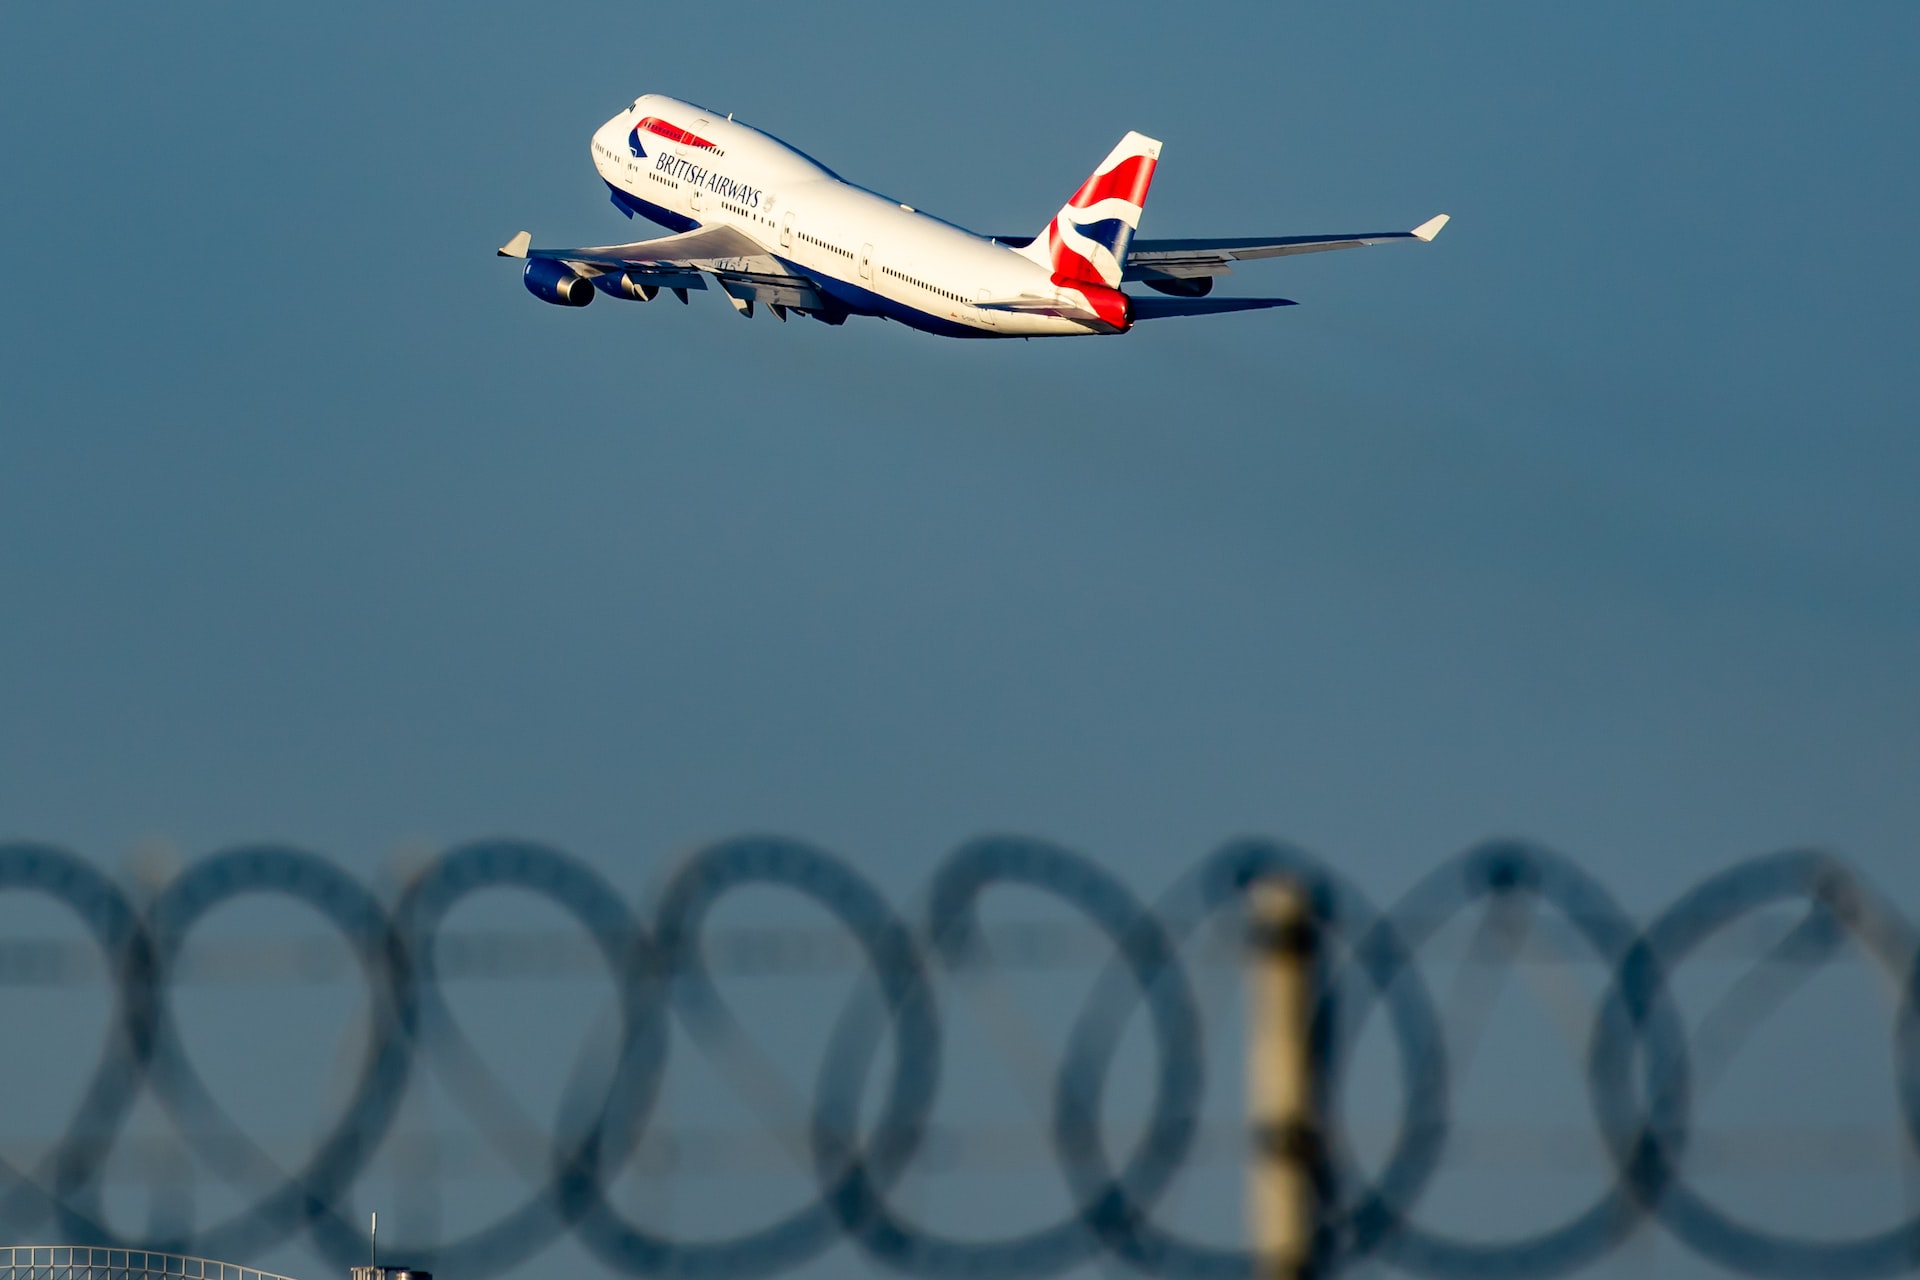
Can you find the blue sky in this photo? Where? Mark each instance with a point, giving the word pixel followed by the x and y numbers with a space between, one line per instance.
pixel 1594 522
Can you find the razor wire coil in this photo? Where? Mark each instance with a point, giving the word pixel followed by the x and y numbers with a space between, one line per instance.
pixel 1639 1067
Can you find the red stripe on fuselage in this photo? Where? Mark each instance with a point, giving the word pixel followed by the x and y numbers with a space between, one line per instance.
pixel 1127 180
pixel 674 133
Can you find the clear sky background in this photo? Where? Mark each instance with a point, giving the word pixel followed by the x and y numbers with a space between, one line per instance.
pixel 1597 521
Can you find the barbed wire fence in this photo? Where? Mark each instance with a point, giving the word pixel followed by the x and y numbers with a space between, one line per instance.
pixel 869 1125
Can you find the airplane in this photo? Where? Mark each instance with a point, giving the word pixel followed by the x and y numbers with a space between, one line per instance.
pixel 772 226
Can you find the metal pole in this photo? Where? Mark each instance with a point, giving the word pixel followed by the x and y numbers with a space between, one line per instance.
pixel 1281 1106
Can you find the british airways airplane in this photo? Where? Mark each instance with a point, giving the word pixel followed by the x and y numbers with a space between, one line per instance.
pixel 771 225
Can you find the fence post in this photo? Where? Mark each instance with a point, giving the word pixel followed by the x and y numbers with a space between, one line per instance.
pixel 1281 1094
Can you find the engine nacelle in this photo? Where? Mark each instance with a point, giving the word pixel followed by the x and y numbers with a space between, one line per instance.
pixel 1182 286
pixel 621 285
pixel 554 282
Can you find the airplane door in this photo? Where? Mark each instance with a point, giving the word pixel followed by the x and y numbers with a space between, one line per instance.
pixel 866 262
pixel 700 129
pixel 786 231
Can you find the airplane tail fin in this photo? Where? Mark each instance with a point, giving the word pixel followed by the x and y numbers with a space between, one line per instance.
pixel 1087 240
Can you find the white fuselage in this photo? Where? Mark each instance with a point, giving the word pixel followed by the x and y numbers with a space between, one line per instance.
pixel 872 255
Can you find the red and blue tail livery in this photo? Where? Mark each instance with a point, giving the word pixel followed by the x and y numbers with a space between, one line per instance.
pixel 1086 243
pixel 771 227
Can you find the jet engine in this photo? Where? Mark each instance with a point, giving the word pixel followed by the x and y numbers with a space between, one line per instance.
pixel 553 282
pixel 623 285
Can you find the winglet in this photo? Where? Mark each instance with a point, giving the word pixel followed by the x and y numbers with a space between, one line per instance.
pixel 517 247
pixel 1430 228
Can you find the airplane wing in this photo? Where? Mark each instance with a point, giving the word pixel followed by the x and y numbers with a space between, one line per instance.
pixel 1188 259
pixel 779 291
pixel 688 250
pixel 740 264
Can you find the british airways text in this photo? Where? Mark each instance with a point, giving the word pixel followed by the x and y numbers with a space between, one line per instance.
pixel 679 167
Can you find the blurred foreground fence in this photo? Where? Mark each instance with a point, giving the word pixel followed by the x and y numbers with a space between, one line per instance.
pixel 1785 915
pixel 66 1262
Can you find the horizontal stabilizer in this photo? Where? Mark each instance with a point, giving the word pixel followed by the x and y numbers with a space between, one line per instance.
pixel 1061 306
pixel 1161 308
pixel 1032 304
